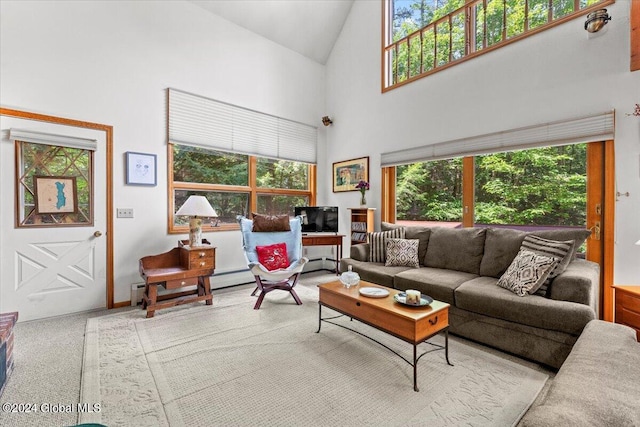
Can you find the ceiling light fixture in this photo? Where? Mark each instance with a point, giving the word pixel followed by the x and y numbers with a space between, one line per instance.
pixel 327 121
pixel 596 20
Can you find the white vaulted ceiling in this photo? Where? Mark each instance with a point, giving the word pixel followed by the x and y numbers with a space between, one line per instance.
pixel 309 27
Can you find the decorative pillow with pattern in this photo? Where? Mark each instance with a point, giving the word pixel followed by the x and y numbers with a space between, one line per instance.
pixel 402 253
pixel 527 272
pixel 378 245
pixel 273 257
pixel 560 251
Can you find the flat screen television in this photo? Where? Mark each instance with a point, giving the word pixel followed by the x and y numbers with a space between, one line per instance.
pixel 318 219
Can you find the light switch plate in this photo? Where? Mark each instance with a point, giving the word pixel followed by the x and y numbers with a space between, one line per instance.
pixel 124 212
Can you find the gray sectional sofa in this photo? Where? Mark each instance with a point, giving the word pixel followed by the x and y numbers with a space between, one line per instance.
pixel 598 385
pixel 462 268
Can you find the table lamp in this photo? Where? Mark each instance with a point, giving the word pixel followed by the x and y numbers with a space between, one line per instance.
pixel 196 207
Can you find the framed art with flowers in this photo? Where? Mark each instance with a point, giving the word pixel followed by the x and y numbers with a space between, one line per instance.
pixel 347 174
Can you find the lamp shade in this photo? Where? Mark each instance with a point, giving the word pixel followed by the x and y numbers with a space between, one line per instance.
pixel 197 206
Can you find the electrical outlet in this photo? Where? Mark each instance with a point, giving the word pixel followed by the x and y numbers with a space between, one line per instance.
pixel 124 213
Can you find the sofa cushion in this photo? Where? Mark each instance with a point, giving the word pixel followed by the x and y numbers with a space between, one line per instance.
pixel 560 251
pixel 374 272
pixel 378 243
pixel 402 252
pixel 578 235
pixel 527 273
pixel 500 248
pixel 457 249
pixel 598 384
pixel 437 283
pixel 413 232
pixel 482 296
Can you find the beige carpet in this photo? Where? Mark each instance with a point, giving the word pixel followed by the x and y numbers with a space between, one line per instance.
pixel 228 364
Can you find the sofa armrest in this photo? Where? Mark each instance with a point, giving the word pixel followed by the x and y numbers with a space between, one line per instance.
pixel 360 252
pixel 580 283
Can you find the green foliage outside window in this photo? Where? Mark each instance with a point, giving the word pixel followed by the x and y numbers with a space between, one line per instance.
pixel 542 186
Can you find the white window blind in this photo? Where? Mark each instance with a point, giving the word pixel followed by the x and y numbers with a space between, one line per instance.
pixel 202 122
pixel 586 129
pixel 52 139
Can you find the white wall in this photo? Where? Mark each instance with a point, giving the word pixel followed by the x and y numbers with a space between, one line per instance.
pixel 110 62
pixel 559 74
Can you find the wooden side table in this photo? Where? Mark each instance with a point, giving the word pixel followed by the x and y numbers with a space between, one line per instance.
pixel 627 310
pixel 180 267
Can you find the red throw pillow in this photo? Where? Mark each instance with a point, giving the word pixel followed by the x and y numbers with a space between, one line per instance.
pixel 273 256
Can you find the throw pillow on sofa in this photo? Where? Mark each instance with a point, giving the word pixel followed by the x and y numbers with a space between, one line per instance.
pixel 402 253
pixel 378 244
pixel 560 251
pixel 527 272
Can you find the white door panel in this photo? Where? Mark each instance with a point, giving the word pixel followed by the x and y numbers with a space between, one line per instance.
pixel 51 271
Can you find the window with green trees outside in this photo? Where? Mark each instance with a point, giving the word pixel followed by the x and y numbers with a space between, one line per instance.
pixel 235 184
pixel 526 189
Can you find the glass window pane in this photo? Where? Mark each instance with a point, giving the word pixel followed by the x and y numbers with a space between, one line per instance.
pixel 428 49
pixel 430 191
pixel 562 8
pixel 282 174
pixel 403 55
pixel 442 39
pixel 54 161
pixel 227 205
pixel 277 204
pixel 515 17
pixel 414 55
pixel 457 36
pixel 479 30
pixel 495 21
pixel 538 13
pixel 191 164
pixel 537 187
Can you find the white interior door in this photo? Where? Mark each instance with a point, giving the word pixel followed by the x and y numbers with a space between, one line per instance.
pixel 51 271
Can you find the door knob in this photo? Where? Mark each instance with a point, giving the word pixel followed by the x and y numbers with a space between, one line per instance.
pixel 97 234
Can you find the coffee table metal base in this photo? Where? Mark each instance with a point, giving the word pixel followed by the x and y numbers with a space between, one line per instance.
pixel 416 358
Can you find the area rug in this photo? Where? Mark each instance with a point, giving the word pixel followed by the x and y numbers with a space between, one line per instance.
pixel 227 364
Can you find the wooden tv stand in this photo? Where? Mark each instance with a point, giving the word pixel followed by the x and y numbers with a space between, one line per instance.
pixel 326 240
pixel 180 267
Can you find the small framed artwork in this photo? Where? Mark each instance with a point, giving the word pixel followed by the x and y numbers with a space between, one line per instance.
pixel 348 173
pixel 141 168
pixel 55 194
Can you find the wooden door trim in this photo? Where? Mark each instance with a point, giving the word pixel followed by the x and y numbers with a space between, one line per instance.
pixel 108 130
pixel 608 229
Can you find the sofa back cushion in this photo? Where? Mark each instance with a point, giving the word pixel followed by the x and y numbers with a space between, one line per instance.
pixel 413 232
pixel 457 249
pixel 500 248
pixel 502 245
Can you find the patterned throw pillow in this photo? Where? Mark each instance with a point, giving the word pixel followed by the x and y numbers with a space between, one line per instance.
pixel 378 245
pixel 527 272
pixel 560 251
pixel 273 256
pixel 402 252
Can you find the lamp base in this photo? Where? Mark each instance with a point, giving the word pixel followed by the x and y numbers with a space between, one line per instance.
pixel 195 231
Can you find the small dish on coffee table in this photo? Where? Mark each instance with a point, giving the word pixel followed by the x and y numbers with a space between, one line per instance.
pixel 401 298
pixel 372 292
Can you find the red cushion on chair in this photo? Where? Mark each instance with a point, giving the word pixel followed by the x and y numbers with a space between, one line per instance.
pixel 273 256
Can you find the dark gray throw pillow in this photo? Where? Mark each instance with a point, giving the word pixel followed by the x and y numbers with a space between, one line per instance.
pixel 457 249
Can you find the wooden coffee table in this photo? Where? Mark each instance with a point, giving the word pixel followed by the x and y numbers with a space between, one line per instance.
pixel 414 325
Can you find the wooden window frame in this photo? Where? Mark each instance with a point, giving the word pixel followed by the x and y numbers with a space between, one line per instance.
pixel 252 189
pixel 468 10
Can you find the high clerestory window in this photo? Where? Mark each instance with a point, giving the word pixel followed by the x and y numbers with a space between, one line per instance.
pixel 421 37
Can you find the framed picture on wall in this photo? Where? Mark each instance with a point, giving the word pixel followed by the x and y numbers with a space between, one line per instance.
pixel 141 168
pixel 55 194
pixel 348 173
